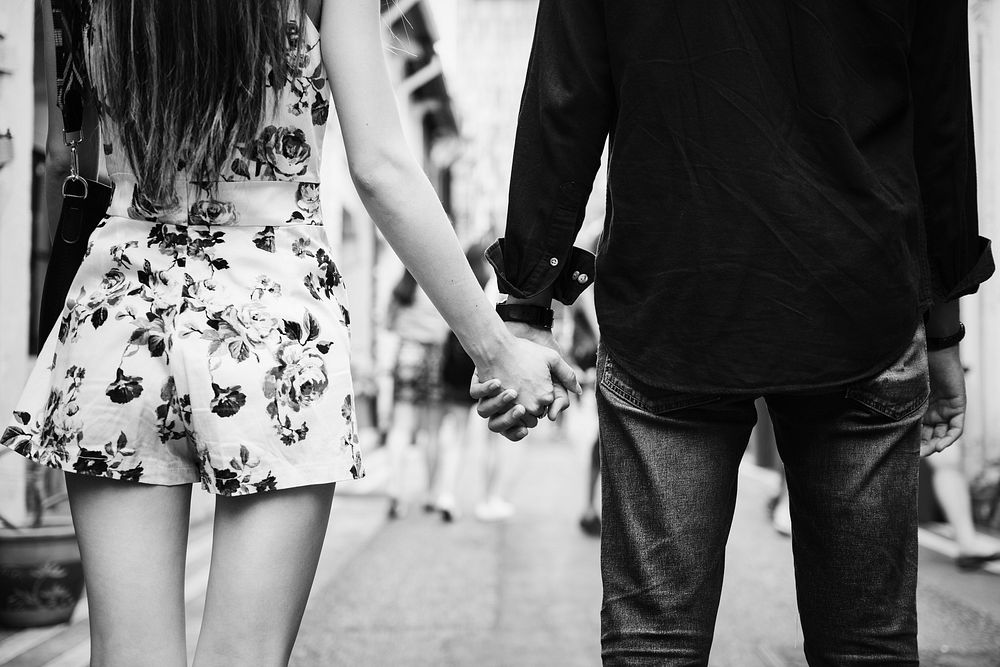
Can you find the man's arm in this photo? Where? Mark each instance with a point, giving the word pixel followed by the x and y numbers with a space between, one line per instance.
pixel 944 149
pixel 959 259
pixel 566 112
pixel 567 109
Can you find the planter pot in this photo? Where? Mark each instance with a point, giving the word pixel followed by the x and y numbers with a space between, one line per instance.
pixel 41 578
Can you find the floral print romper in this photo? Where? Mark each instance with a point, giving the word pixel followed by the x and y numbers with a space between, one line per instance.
pixel 208 342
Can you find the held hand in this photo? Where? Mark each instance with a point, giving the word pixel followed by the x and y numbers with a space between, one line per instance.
pixel 945 417
pixel 545 337
pixel 531 370
pixel 497 405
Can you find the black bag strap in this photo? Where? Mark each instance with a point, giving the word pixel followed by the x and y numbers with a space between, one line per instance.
pixel 70 20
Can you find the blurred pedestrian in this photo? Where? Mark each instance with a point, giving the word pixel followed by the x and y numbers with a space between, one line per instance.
pixel 417 390
pixel 583 347
pixel 205 337
pixel 792 214
pixel 460 428
pixel 951 488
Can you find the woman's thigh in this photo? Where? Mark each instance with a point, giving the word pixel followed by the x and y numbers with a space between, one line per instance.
pixel 133 539
pixel 265 551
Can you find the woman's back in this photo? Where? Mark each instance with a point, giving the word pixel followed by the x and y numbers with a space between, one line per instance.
pixel 274 175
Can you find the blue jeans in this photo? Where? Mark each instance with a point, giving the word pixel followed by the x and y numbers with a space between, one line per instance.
pixel 669 464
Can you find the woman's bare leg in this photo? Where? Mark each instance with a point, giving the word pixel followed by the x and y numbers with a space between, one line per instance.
pixel 264 554
pixel 133 539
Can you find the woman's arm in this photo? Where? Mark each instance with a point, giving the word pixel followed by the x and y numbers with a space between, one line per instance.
pixel 57 154
pixel 406 209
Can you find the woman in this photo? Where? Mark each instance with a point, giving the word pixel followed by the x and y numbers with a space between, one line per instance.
pixel 205 336
pixel 416 389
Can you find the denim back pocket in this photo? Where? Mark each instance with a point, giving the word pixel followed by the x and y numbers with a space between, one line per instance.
pixel 642 396
pixel 902 388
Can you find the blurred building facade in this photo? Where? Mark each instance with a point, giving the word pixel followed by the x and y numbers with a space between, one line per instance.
pixel 492 41
pixel 368 266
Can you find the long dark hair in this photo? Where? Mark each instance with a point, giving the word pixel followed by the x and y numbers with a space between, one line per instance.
pixel 185 81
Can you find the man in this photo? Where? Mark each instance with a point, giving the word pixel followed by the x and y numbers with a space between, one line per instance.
pixel 791 211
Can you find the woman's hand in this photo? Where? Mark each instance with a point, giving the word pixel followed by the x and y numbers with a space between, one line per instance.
pixel 497 405
pixel 532 372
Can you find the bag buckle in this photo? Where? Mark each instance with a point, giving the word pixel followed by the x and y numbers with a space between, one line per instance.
pixel 75 186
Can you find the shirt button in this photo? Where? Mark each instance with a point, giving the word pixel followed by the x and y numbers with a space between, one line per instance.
pixel 583 278
pixel 553 262
pixel 576 275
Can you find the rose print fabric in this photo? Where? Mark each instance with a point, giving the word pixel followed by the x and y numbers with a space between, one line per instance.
pixel 208 342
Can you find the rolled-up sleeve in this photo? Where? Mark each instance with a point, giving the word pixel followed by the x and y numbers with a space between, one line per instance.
pixel 566 112
pixel 959 258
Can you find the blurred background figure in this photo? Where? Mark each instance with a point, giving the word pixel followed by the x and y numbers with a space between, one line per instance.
pixel 582 346
pixel 951 488
pixel 461 428
pixel 417 390
pixel 778 509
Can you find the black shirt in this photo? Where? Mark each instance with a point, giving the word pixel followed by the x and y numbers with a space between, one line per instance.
pixel 790 184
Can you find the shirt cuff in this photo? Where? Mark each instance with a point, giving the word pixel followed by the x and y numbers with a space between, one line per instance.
pixel 969 284
pixel 568 279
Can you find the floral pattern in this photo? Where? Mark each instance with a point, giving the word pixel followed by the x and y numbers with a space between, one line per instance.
pixel 208 342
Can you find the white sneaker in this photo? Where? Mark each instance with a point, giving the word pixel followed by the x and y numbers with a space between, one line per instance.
pixel 494 509
pixel 446 505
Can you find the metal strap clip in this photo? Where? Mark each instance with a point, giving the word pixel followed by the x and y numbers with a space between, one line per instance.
pixel 74 183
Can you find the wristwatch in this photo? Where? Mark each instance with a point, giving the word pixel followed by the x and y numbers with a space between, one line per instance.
pixel 935 343
pixel 536 316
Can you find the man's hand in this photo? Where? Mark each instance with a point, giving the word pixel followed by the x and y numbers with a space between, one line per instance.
pixel 513 420
pixel 533 371
pixel 544 337
pixel 945 417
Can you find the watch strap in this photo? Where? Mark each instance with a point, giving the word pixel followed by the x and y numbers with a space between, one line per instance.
pixel 935 343
pixel 536 316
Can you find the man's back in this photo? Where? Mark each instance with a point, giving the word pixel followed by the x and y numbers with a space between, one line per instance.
pixel 770 165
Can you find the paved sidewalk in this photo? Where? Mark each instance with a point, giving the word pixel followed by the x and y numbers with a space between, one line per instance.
pixel 422 592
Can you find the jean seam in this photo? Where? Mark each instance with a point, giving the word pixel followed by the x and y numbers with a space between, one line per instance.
pixel 896 414
pixel 625 392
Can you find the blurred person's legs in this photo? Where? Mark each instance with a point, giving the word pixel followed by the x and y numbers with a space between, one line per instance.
pixel 669 465
pixel 405 417
pixel 133 540
pixel 429 440
pixel 452 445
pixel 590 520
pixel 951 488
pixel 265 551
pixel 851 462
pixel 499 458
pixel 416 400
pixel 781 519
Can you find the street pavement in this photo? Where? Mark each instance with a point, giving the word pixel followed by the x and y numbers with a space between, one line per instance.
pixel 418 591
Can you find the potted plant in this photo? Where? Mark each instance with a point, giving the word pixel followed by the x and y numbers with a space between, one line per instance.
pixel 41 577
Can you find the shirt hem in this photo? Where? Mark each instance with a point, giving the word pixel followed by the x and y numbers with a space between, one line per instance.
pixel 821 387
